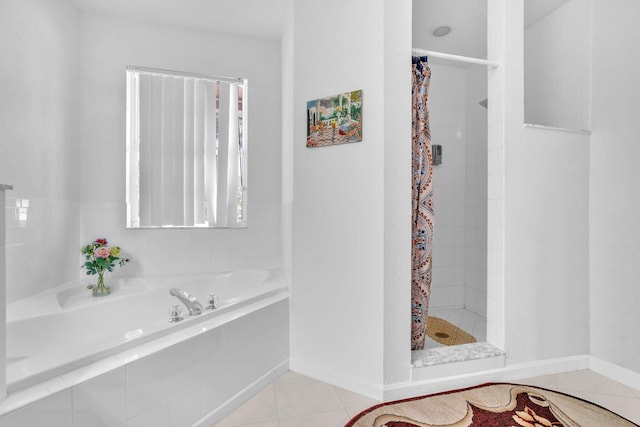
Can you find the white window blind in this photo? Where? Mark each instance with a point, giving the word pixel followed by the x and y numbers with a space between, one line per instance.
pixel 186 150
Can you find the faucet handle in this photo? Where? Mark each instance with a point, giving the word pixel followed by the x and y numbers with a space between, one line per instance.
pixel 174 311
pixel 213 301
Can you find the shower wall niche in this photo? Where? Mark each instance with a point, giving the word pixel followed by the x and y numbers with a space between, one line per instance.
pixel 458 119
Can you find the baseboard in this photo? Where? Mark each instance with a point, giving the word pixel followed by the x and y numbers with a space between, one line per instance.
pixel 373 391
pixel 242 396
pixel 614 372
pixel 506 374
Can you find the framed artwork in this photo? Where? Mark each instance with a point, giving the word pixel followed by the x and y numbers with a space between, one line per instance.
pixel 335 120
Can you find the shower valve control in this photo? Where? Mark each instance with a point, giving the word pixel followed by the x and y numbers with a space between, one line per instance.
pixel 436 154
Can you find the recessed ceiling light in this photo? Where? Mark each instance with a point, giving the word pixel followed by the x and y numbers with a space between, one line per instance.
pixel 442 31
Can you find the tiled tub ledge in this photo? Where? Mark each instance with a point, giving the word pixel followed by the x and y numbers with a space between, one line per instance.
pixel 458 353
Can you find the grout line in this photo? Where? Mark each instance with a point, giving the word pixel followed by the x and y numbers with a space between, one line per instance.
pixel 275 398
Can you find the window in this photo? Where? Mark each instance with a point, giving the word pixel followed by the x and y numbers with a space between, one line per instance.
pixel 186 150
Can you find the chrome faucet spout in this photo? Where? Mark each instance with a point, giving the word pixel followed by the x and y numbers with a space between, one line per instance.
pixel 192 304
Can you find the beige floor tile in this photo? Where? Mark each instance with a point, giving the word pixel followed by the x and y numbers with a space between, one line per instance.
pixel 590 381
pixel 336 418
pixel 294 400
pixel 260 408
pixel 595 388
pixel 264 424
pixel 355 410
pixel 350 398
pixel 298 396
pixel 627 407
pixel 545 381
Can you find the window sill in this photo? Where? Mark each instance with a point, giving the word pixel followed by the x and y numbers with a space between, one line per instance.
pixel 533 126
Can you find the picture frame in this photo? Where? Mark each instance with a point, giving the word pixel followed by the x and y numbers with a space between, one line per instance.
pixel 335 119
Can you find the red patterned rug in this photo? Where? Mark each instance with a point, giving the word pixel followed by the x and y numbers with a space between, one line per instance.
pixel 490 405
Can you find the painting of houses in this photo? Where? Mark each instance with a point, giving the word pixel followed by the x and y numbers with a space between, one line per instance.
pixel 335 119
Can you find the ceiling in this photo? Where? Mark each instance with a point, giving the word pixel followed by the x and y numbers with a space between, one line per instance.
pixel 262 18
pixel 265 18
pixel 468 22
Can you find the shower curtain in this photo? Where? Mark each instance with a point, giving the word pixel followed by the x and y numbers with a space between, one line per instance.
pixel 421 202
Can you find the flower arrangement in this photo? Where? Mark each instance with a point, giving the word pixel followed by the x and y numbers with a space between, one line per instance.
pixel 100 257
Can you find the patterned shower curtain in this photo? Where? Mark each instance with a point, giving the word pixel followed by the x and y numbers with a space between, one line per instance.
pixel 421 202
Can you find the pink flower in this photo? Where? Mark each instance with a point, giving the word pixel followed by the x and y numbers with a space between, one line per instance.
pixel 102 252
pixel 101 241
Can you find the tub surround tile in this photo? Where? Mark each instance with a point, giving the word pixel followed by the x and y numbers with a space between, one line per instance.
pixel 98 392
pixel 23 398
pixel 187 365
pixel 52 411
pixel 101 401
pixel 88 372
pixel 214 349
pixel 155 416
pixel 185 406
pixel 147 382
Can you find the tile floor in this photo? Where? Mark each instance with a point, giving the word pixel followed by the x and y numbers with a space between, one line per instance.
pixel 294 400
pixel 467 320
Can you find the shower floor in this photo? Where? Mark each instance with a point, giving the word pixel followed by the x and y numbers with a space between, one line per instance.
pixel 467 320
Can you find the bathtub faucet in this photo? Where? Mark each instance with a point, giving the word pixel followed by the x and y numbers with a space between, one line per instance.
pixel 192 304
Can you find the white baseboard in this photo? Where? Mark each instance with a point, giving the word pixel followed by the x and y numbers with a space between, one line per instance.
pixel 242 396
pixel 614 372
pixel 373 391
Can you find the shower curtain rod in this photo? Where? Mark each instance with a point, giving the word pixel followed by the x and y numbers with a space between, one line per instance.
pixel 422 52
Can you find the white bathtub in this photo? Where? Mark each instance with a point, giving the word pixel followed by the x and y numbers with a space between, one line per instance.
pixel 66 328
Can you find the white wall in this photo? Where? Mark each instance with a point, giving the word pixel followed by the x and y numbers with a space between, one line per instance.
pixel 3 278
pixel 614 200
pixel 38 143
pixel 348 247
pixel 546 282
pixel 397 191
pixel 557 63
pixel 108 45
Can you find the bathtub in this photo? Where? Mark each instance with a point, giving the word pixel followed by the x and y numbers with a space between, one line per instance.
pixel 66 329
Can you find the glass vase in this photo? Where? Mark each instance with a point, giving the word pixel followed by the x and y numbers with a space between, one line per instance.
pixel 100 289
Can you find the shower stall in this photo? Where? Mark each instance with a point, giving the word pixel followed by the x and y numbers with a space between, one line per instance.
pixel 459 125
pixel 458 108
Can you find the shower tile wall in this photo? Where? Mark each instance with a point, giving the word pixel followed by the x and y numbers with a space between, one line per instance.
pixel 447 119
pixel 459 249
pixel 475 256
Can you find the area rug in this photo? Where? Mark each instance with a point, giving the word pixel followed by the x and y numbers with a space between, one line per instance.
pixel 490 405
pixel 447 333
